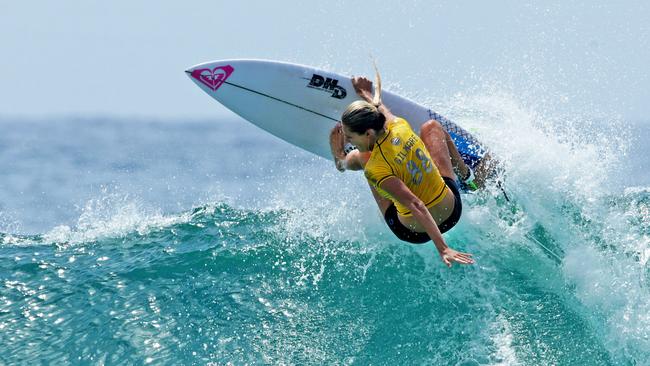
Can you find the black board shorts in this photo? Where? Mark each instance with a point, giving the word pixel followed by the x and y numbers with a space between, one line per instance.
pixel 408 235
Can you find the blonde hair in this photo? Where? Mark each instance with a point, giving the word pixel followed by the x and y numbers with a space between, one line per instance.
pixel 376 99
pixel 360 116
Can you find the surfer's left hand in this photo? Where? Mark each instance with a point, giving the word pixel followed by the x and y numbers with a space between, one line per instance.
pixel 449 255
pixel 363 86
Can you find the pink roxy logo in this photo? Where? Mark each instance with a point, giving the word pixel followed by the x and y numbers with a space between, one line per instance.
pixel 213 78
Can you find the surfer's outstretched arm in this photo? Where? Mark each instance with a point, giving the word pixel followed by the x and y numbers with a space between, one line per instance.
pixel 397 189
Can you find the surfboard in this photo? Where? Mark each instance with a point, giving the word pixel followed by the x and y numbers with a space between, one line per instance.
pixel 300 104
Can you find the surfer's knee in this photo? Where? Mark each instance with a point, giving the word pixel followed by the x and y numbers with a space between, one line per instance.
pixel 432 128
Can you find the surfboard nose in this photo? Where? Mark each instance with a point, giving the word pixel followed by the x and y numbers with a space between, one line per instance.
pixel 211 75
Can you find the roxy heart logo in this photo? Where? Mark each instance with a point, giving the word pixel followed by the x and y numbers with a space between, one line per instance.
pixel 213 78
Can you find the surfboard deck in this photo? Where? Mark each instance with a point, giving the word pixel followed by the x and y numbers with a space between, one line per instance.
pixel 300 104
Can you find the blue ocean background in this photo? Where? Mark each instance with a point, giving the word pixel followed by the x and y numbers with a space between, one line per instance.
pixel 141 241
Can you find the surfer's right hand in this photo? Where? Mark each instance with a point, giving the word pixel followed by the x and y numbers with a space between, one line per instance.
pixel 449 255
pixel 337 144
pixel 363 87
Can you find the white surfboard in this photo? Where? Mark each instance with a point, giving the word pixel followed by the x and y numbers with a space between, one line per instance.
pixel 301 104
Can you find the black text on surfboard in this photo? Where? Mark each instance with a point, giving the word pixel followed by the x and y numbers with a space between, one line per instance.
pixel 328 85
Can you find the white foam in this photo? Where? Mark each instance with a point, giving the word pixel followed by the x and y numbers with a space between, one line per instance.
pixel 613 288
pixel 8 224
pixel 562 173
pixel 502 338
pixel 111 215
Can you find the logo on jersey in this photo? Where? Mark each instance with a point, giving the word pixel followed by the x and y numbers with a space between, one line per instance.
pixel 403 154
pixel 328 85
pixel 396 141
pixel 213 78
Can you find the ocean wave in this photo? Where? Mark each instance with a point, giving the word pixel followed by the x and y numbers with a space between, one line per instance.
pixel 305 271
pixel 275 278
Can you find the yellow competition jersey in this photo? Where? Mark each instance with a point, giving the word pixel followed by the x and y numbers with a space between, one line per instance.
pixel 400 153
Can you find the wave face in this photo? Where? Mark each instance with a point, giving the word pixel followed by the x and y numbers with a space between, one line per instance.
pixel 286 261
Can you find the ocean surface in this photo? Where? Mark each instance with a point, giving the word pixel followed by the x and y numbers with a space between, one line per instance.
pixel 210 242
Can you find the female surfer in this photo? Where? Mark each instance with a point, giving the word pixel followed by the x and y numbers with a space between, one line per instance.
pixel 411 176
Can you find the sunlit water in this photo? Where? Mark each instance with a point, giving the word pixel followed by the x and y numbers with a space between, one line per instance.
pixel 197 242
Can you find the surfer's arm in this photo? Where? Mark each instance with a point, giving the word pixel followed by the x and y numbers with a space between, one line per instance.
pixel 398 190
pixel 354 160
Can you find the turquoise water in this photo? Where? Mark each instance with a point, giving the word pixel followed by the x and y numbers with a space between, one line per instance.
pixel 209 242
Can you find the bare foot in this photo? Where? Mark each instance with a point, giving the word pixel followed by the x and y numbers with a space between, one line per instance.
pixel 485 170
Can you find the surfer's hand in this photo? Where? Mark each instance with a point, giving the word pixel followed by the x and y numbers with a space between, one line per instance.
pixel 449 255
pixel 337 143
pixel 363 87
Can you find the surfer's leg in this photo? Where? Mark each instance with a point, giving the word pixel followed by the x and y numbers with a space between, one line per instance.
pixel 456 160
pixel 432 132
pixel 441 148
